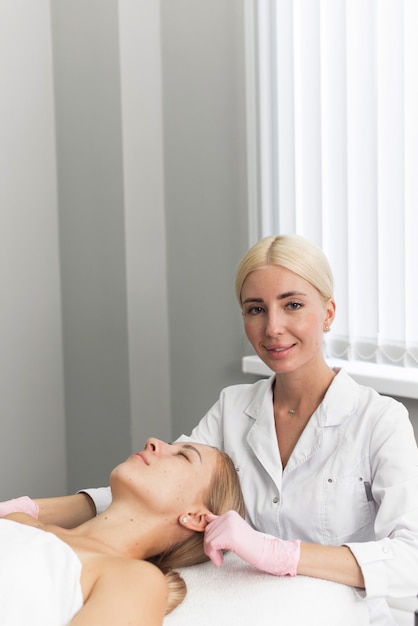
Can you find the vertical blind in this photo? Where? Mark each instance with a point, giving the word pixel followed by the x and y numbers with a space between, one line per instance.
pixel 335 93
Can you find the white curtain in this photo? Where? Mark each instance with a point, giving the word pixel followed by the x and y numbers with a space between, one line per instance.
pixel 335 87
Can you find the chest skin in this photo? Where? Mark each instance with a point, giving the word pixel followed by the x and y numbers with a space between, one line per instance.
pixel 288 428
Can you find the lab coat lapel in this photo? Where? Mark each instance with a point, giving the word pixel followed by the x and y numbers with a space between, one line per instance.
pixel 261 437
pixel 338 404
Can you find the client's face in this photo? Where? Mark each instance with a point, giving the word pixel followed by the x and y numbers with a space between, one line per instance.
pixel 169 478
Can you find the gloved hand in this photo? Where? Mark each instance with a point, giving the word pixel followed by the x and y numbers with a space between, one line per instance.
pixel 19 505
pixel 269 554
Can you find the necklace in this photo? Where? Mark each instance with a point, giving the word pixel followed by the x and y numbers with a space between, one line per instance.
pixel 291 411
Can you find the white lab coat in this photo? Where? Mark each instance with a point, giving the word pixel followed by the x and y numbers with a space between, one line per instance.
pixel 352 477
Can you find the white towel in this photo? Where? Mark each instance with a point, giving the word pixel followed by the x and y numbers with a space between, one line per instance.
pixel 39 577
pixel 236 593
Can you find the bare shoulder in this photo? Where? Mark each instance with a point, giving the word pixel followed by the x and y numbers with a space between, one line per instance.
pixel 132 576
pixel 143 571
pixel 24 518
pixel 28 520
pixel 125 592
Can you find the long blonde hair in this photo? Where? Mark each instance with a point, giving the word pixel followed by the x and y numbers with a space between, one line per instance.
pixel 224 494
pixel 292 252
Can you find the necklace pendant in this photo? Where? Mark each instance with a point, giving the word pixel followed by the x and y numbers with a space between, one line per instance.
pixel 291 411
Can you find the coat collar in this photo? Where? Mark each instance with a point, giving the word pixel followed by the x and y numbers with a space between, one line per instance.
pixel 340 401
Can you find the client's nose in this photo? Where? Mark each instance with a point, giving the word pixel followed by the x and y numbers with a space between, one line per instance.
pixel 156 445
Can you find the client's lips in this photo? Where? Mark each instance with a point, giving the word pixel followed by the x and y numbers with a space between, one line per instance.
pixel 141 456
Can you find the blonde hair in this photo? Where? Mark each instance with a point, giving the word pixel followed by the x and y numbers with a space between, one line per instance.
pixel 293 253
pixel 224 494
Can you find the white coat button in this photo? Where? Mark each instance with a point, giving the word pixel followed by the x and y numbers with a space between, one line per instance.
pixel 276 499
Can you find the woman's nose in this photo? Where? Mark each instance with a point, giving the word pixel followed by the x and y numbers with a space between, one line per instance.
pixel 274 325
pixel 156 445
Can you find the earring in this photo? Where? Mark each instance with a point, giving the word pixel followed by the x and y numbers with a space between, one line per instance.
pixel 185 519
pixel 326 329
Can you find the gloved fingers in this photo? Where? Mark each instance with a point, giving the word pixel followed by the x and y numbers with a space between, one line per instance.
pixel 216 556
pixel 229 520
pixel 212 543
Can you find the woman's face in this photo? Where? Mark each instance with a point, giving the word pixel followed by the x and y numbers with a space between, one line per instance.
pixel 170 479
pixel 284 318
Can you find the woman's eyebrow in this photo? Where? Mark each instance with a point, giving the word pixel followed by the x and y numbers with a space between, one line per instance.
pixel 282 296
pixel 190 447
pixel 290 294
pixel 252 300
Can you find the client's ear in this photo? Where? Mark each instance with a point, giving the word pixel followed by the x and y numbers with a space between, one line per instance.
pixel 195 521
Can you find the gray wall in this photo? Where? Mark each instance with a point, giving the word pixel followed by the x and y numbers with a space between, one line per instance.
pixel 32 417
pixel 149 340
pixel 92 238
pixel 112 230
pixel 205 186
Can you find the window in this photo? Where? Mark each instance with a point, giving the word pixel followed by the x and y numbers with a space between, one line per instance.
pixel 333 143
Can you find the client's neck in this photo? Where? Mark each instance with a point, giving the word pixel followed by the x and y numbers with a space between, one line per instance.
pixel 122 532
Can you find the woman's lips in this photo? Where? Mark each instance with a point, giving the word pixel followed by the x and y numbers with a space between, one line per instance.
pixel 141 457
pixel 279 352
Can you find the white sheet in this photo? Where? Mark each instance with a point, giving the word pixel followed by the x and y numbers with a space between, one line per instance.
pixel 237 594
pixel 39 577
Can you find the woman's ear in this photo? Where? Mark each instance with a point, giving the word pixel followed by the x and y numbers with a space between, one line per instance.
pixel 329 313
pixel 195 521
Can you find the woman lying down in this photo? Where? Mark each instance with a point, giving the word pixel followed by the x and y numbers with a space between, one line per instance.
pixel 116 569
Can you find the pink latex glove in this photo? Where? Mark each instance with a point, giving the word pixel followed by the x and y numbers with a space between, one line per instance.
pixel 19 505
pixel 269 554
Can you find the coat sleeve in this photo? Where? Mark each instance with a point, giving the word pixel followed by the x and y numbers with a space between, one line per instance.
pixel 102 497
pixel 390 564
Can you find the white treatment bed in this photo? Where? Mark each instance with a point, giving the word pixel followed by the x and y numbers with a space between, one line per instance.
pixel 238 594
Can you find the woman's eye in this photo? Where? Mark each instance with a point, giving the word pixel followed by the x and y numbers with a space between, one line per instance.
pixel 254 310
pixel 294 306
pixel 184 455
